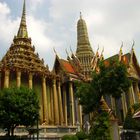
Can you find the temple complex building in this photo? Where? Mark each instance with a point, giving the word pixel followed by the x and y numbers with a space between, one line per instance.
pixel 59 107
pixel 21 66
pixel 121 106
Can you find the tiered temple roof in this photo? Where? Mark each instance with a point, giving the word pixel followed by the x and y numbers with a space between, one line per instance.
pixel 67 69
pixel 21 54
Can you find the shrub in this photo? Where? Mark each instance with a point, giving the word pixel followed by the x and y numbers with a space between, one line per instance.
pixel 66 137
pixel 130 122
pixel 69 137
pixel 81 135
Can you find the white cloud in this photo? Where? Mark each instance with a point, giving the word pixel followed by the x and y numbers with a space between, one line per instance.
pixel 37 30
pixel 35 3
pixel 4 10
pixel 108 21
pixel 7 25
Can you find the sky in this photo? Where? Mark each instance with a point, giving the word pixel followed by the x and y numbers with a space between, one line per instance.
pixel 53 24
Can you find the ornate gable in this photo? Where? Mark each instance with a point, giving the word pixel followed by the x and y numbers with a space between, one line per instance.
pixel 133 67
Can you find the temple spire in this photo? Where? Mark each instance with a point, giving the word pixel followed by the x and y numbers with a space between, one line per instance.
pixel 80 15
pixel 84 51
pixel 22 32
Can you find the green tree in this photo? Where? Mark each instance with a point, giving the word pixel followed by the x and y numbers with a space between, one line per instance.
pixel 18 106
pixel 130 122
pixel 111 79
pixel 100 127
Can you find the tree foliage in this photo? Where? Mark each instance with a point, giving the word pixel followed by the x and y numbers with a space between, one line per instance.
pixel 81 135
pixel 130 122
pixel 112 79
pixel 18 106
pixel 100 128
pixel 69 137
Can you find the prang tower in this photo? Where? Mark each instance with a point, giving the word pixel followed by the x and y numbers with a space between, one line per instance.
pixel 84 51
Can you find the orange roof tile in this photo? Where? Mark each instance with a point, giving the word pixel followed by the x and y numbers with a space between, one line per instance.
pixel 67 66
pixel 125 59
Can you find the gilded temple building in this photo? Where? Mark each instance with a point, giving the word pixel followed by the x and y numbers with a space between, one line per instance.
pixel 59 106
pixel 133 95
pixel 121 106
pixel 21 66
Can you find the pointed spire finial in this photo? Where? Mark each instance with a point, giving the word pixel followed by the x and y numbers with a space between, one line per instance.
pixel 102 50
pixel 22 32
pixel 54 51
pixel 80 15
pixel 133 45
pixel 98 48
pixel 122 45
pixel 71 49
pixel 68 57
pixel 67 52
pixel 24 8
pixel 101 56
pixel 121 48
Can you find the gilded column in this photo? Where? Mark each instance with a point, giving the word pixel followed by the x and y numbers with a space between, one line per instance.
pixel 49 102
pixel 138 94
pixel 18 79
pixel 132 97
pixel 60 104
pixel 52 106
pixel 133 94
pixel 80 114
pixel 113 105
pixel 0 81
pixel 72 112
pixel 45 117
pixel 124 105
pixel 56 111
pixel 65 105
pixel 6 79
pixel 30 80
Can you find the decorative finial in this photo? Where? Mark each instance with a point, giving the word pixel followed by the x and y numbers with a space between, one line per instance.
pixel 102 50
pixel 24 7
pixel 122 45
pixel 80 15
pixel 133 45
pixel 22 32
pixel 98 48
pixel 68 57
pixel 54 50
pixel 67 52
pixel 71 49
pixel 101 56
